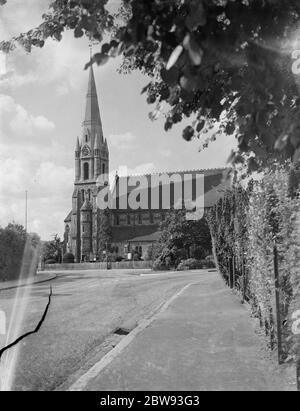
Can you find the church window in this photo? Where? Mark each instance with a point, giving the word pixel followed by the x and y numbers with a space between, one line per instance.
pixel 83 229
pixel 86 138
pixel 89 194
pixel 86 171
pixel 103 168
pixel 82 195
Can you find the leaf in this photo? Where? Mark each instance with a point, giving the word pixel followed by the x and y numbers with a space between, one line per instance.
pixel 193 48
pixel 144 89
pixel 188 133
pixel 230 128
pixel 101 58
pixel 200 125
pixel 174 57
pixel 78 32
pixel 281 142
pixel 105 48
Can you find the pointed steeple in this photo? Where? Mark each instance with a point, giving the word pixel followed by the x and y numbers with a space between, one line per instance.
pixel 92 119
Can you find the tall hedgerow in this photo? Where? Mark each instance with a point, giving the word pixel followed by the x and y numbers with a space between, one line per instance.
pixel 245 225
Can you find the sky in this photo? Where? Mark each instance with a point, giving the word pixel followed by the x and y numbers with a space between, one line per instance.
pixel 42 96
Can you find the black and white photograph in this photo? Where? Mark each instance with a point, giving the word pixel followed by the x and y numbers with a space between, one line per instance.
pixel 149 198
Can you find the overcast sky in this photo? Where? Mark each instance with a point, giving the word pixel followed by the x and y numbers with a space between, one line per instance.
pixel 42 98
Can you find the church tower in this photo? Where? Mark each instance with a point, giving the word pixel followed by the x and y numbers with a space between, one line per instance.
pixel 91 161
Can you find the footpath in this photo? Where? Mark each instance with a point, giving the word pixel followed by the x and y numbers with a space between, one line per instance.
pixel 203 339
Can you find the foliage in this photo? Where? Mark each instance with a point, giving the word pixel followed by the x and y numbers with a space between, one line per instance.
pixel 180 239
pixel 246 224
pixel 18 252
pixel 68 258
pixel 194 264
pixel 104 232
pixel 205 58
pixel 52 250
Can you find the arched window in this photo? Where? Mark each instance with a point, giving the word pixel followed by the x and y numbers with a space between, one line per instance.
pixel 103 168
pixel 82 195
pixel 86 171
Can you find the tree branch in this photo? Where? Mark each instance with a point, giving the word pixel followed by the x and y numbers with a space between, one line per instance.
pixel 19 339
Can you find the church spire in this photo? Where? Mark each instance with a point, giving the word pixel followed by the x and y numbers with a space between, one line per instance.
pixel 92 119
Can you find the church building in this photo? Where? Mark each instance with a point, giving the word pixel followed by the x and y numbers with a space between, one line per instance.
pixel 132 228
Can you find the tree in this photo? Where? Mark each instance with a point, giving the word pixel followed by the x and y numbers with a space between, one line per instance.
pixel 180 238
pixel 52 250
pixel 18 252
pixel 104 232
pixel 225 63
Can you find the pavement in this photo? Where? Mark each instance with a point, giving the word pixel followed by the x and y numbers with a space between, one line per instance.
pixel 202 339
pixel 39 278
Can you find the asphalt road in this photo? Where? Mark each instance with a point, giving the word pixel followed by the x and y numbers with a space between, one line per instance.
pixel 87 308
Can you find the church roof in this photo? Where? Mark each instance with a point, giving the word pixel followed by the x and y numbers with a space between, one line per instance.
pixel 214 185
pixel 146 238
pixel 68 218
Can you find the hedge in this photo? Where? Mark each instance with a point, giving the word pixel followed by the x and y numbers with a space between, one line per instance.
pixel 245 226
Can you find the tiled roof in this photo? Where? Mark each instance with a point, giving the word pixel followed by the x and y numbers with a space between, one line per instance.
pixel 214 184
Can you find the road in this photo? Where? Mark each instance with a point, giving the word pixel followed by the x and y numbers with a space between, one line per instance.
pixel 87 308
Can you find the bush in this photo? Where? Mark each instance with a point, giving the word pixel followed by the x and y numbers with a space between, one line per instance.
pixel 50 261
pixel 136 257
pixel 158 265
pixel 68 258
pixel 193 264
